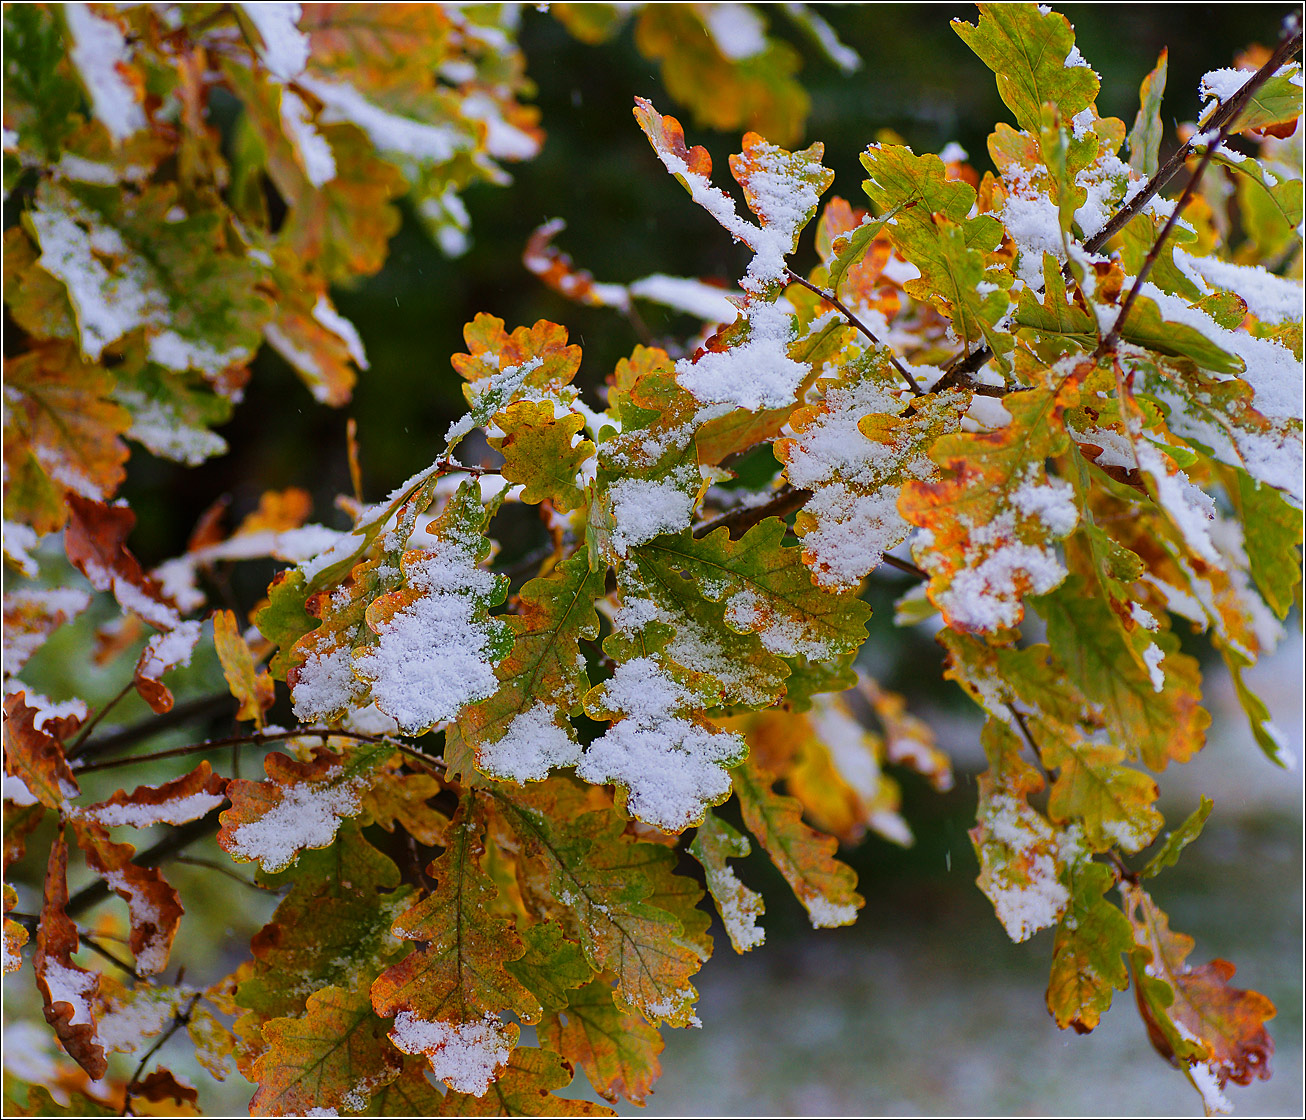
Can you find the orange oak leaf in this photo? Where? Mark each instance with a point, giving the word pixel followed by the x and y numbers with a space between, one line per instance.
pixel 36 756
pixel 62 431
pixel 1194 1016
pixel 162 1085
pixel 183 799
pixel 68 989
pixel 299 806
pixel 802 855
pixel 154 907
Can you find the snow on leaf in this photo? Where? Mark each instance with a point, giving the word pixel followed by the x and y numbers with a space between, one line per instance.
pixel 616 1049
pixel 465 1056
pixel 604 880
pixel 62 431
pixel 853 450
pixel 36 756
pixel 321 345
pixel 1027 48
pixel 531 363
pixel 161 653
pixel 1021 861
pixel 1091 944
pixel 67 989
pixel 990 522
pixel 94 542
pixel 908 740
pixel 1194 1016
pixel 128 261
pixel 336 1055
pixel 802 855
pixel 183 799
pixel 524 1088
pixel 1112 802
pixel 32 614
pixel 458 977
pixel 543 452
pixel 101 54
pixel 331 929
pixel 154 907
pixel 253 688
pixel 670 762
pixel 1277 102
pixel 521 730
pixel 715 842
pixel 300 806
pixel 436 644
pixel 766 590
pixel 1100 660
pixel 934 231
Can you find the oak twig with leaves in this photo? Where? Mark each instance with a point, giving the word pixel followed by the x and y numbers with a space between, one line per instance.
pixel 1061 392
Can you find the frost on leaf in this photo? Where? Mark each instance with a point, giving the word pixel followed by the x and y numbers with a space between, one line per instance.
pixel 989 524
pixel 35 756
pixel 805 857
pixel 1020 853
pixel 854 452
pixel 183 799
pixel 1194 1016
pixel 613 891
pixel 300 805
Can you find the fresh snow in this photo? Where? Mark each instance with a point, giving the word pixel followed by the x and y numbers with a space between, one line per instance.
pixel 645 508
pixel 98 49
pixel 672 767
pixel 465 1056
pixel 314 150
pixel 533 744
pixel 285 48
pixel 389 132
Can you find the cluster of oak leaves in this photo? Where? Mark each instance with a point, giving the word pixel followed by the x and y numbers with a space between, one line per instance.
pixel 1111 488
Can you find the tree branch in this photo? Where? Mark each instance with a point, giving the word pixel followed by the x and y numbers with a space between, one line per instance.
pixel 147 729
pixel 834 301
pixel 786 500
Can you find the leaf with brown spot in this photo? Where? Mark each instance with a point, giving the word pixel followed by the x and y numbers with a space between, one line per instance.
pixel 1193 1015
pixel 524 1088
pixel 333 1056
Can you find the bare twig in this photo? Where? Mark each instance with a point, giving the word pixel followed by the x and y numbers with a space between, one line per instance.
pixel 786 500
pixel 179 1020
pixel 213 865
pixel 105 709
pixel 905 566
pixel 835 302
pixel 147 729
pixel 253 738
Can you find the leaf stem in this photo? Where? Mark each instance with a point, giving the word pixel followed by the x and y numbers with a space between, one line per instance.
pixel 179 1020
pixel 835 302
pixel 105 709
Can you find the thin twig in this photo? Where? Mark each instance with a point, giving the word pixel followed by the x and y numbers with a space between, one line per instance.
pixel 786 500
pixel 905 566
pixel 253 738
pixel 96 947
pixel 1029 738
pixel 147 729
pixel 213 865
pixel 1227 115
pixel 835 302
pixel 179 1020
pixel 95 719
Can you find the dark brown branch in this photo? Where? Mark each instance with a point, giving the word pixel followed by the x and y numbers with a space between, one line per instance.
pixel 147 729
pixel 835 302
pixel 786 500
pixel 213 865
pixel 253 738
pixel 1226 114
pixel 905 566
